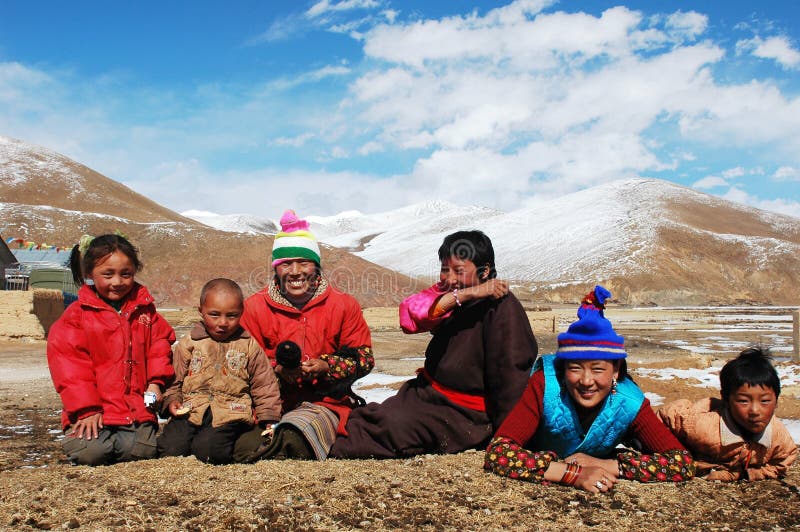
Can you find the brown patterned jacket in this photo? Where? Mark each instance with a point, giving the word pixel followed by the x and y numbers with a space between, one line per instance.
pixel 233 377
pixel 720 450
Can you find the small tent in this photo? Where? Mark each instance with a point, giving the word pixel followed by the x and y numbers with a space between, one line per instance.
pixel 7 260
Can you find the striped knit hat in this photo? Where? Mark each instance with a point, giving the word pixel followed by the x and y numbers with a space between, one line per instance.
pixel 294 241
pixel 591 337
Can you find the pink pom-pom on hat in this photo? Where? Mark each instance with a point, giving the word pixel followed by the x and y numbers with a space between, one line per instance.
pixel 291 223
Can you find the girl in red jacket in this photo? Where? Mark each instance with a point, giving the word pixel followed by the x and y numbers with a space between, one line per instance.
pixel 109 356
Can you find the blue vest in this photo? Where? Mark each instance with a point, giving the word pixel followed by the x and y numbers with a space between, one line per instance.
pixel 560 429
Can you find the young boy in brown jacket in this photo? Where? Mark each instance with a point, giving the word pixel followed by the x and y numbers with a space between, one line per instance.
pixel 222 378
pixel 736 437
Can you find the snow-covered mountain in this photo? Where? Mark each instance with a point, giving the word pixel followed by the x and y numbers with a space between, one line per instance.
pixel 234 223
pixel 47 197
pixel 622 233
pixel 649 241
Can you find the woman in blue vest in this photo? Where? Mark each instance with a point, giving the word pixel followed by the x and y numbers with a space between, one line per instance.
pixel 579 405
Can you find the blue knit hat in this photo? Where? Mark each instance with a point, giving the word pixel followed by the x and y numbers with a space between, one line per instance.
pixel 591 337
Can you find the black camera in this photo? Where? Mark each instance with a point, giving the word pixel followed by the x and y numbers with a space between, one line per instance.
pixel 288 354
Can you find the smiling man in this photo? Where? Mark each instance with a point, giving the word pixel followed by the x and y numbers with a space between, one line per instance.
pixel 327 326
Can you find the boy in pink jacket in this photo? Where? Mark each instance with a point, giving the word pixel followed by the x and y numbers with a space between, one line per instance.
pixel 736 437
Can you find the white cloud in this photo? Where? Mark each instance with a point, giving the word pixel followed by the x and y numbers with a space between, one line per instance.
pixel 741 115
pixel 504 97
pixel 783 206
pixel 282 29
pixel 268 192
pixel 711 181
pixel 787 173
pixel 543 103
pixel 738 195
pixel 325 6
pixel 390 15
pixel 689 25
pixel 506 36
pixel 337 152
pixel 779 49
pixel 370 147
pixel 294 142
pixel 313 76
pixel 731 173
pixel 16 79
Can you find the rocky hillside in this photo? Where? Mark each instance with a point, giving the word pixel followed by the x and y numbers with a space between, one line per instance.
pixel 49 198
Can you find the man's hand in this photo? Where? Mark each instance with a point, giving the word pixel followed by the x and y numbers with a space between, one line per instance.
pixel 314 369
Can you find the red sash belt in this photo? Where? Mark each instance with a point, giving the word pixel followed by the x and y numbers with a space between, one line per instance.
pixel 467 400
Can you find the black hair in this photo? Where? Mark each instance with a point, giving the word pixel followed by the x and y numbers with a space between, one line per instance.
pixel 75 264
pixel 753 366
pixel 473 246
pixel 223 285
pixel 101 246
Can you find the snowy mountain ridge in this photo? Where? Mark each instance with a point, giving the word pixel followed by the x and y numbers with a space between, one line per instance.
pixel 610 229
pixel 650 241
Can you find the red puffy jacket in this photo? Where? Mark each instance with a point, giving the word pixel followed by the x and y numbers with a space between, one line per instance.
pixel 328 322
pixel 102 361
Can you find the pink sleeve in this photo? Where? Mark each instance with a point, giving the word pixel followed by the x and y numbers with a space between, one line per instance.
pixel 415 311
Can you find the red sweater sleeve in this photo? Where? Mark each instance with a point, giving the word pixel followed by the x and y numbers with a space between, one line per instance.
pixel 654 436
pixel 522 422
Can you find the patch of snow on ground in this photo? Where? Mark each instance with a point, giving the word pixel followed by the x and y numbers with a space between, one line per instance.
pixel 793 426
pixel 655 399
pixel 18 429
pixel 709 378
pixel 381 391
pixel 681 344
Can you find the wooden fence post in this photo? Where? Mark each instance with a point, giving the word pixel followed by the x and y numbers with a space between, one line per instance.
pixel 796 335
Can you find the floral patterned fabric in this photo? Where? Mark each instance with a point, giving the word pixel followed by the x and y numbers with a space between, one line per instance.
pixel 506 458
pixel 670 466
pixel 345 367
pixel 509 459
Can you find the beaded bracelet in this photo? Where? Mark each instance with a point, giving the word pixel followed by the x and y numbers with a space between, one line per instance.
pixel 571 474
pixel 455 295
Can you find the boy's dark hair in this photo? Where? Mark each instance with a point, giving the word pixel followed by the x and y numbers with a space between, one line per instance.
pixel 222 284
pixel 473 246
pixel 753 366
pixel 100 246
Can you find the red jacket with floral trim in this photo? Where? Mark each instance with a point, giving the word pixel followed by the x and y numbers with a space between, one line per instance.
pixel 103 361
pixel 330 321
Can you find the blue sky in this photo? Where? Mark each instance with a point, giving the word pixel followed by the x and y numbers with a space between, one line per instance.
pixel 333 105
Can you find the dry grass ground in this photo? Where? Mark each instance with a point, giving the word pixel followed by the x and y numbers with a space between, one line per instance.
pixel 38 490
